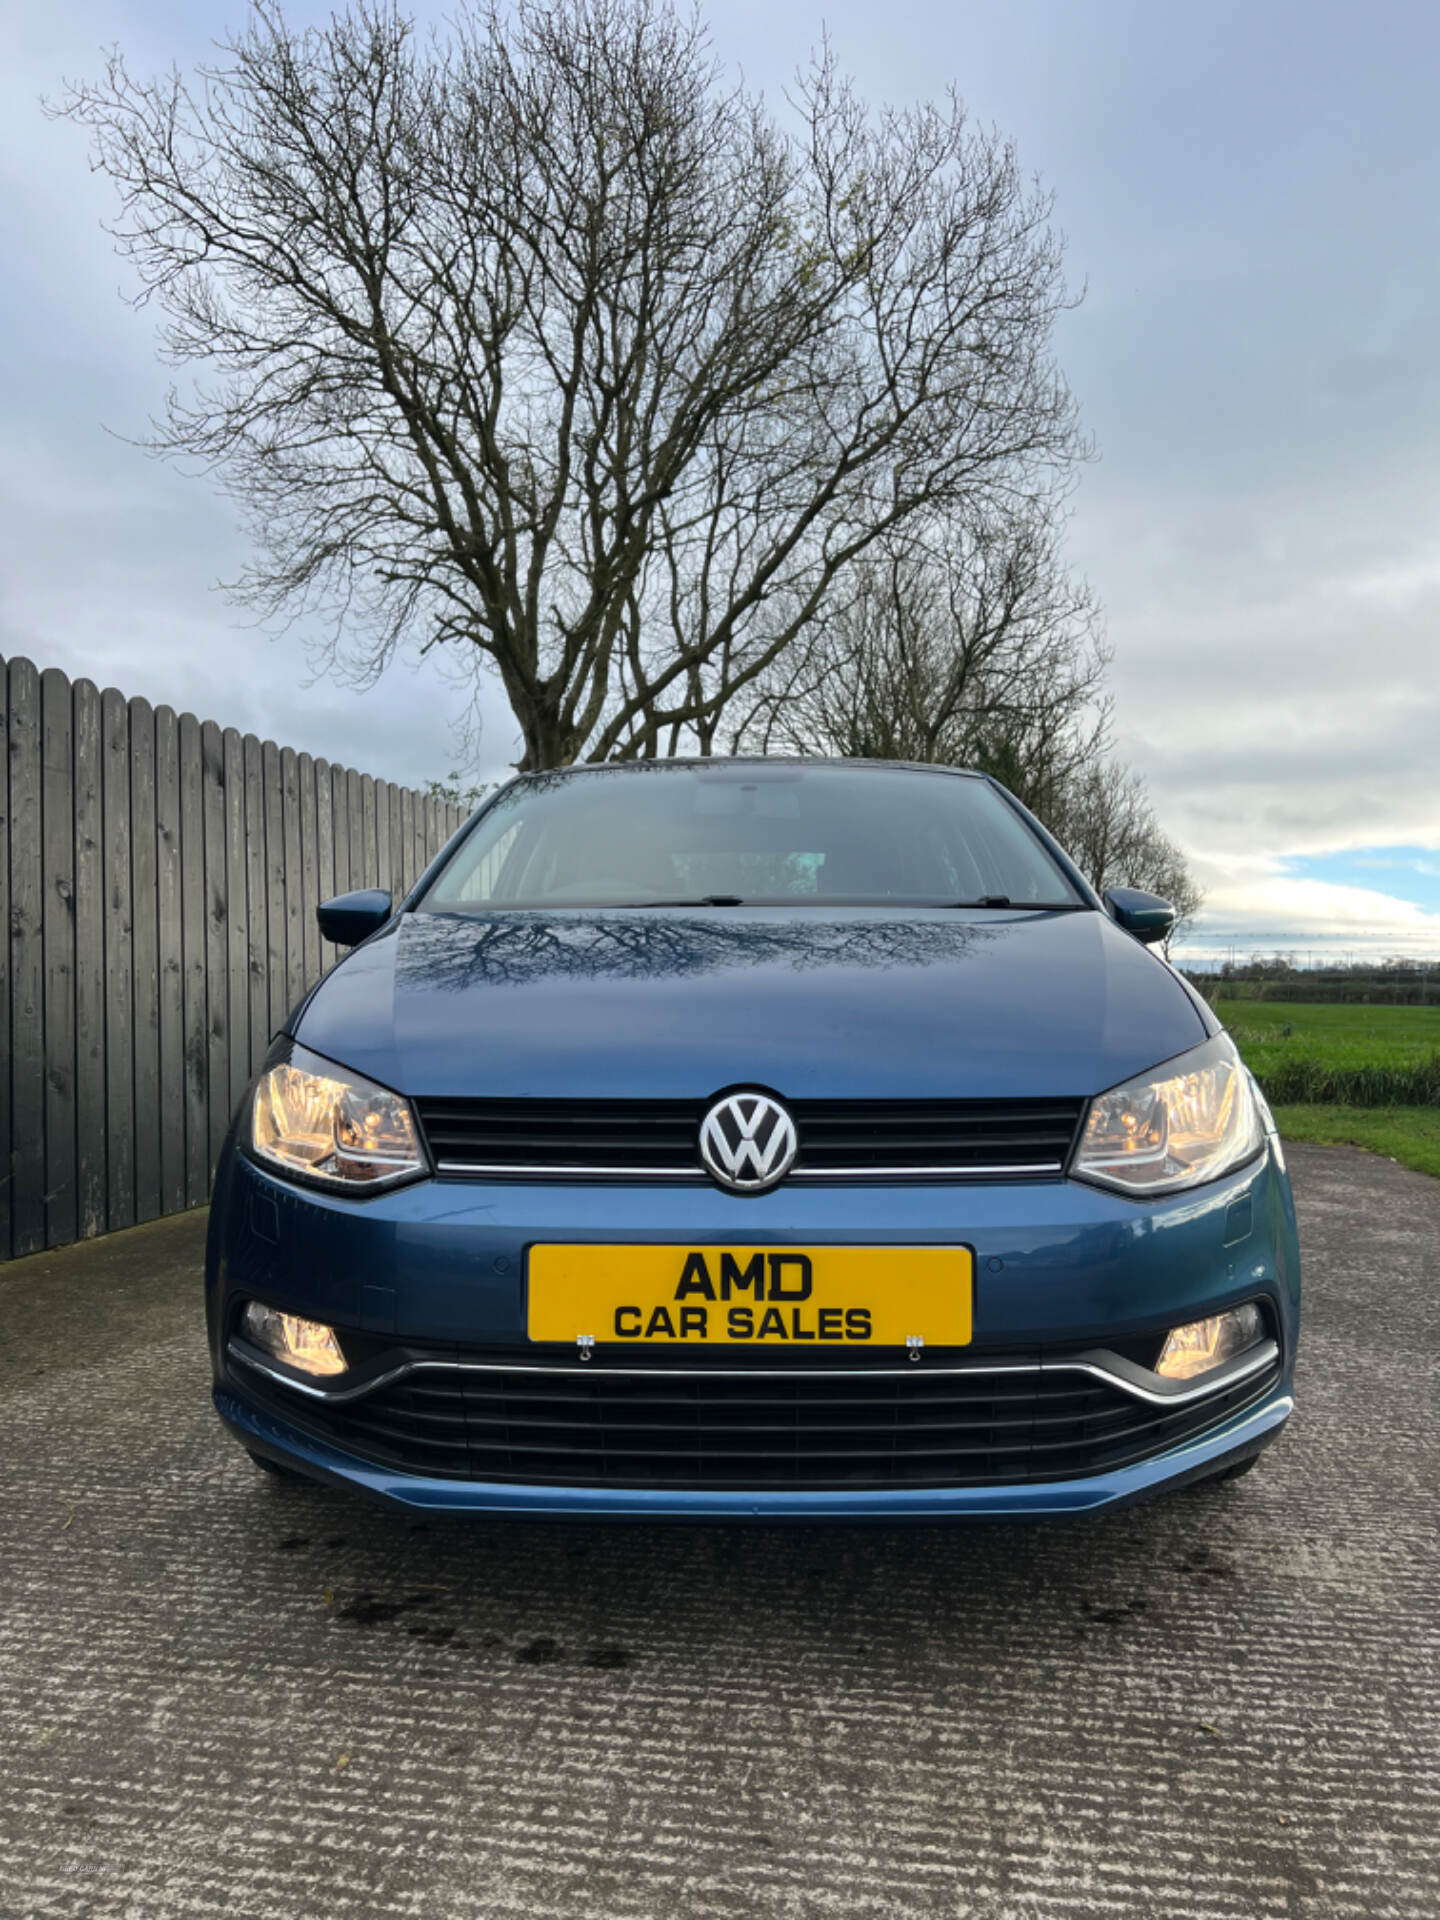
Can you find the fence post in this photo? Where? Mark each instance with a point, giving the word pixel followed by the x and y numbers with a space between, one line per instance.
pixel 57 802
pixel 27 964
pixel 237 954
pixel 192 935
pixel 294 891
pixel 217 944
pixel 307 879
pixel 257 938
pixel 274 882
pixel 170 959
pixel 92 888
pixel 145 888
pixel 119 965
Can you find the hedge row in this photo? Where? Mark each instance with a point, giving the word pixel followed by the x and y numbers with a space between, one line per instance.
pixel 1311 1081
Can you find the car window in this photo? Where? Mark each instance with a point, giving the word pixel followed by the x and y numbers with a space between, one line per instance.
pixel 762 833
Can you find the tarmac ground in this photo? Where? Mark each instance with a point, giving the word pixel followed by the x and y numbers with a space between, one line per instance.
pixel 220 1695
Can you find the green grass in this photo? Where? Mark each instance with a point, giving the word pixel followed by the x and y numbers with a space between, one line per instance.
pixel 1410 1135
pixel 1347 1075
pixel 1352 1056
pixel 1382 1031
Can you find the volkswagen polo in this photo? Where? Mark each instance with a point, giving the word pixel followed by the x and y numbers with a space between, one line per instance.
pixel 753 1138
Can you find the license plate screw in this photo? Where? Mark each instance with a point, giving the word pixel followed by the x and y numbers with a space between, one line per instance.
pixel 586 1343
pixel 914 1341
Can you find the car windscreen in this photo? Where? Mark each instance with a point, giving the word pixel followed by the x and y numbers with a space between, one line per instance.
pixel 761 834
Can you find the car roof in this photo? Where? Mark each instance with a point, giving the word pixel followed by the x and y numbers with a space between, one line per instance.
pixel 748 760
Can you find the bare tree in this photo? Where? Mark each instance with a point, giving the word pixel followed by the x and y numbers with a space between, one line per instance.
pixel 965 644
pixel 1105 820
pixel 977 649
pixel 537 340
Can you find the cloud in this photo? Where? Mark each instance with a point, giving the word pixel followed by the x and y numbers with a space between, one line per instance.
pixel 1252 911
pixel 1241 189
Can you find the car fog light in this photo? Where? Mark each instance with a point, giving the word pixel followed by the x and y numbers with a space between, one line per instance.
pixel 1204 1344
pixel 307 1344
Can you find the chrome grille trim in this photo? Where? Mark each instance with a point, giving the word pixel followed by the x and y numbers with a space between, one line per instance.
pixel 508 1171
pixel 454 1169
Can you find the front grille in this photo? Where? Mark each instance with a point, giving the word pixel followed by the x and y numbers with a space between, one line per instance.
pixel 843 1140
pixel 547 1424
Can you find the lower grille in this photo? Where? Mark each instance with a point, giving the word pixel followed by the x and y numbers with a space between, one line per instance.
pixel 838 1139
pixel 544 1425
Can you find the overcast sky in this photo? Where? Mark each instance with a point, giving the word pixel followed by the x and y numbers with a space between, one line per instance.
pixel 1250 195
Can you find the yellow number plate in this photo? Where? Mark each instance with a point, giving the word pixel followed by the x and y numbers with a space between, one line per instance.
pixel 751 1296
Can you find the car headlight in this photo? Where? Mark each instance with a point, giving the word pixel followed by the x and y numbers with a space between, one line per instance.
pixel 1184 1123
pixel 313 1118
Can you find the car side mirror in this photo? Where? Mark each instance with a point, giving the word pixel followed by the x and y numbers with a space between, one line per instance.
pixel 352 917
pixel 1145 915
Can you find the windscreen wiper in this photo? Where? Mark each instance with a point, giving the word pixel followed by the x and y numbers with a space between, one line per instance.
pixel 702 900
pixel 1026 906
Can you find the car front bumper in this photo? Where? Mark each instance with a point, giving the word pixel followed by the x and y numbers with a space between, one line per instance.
pixel 263 1433
pixel 1058 1265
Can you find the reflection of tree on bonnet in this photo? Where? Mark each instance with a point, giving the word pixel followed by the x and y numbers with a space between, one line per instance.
pixel 455 951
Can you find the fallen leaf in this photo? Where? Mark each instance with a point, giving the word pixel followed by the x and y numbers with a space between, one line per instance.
pixel 1214 1732
pixel 342 1763
pixel 69 1516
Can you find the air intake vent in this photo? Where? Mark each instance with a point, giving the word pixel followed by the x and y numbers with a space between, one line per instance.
pixel 968 1424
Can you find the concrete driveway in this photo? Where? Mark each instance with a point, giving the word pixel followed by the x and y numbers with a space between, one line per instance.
pixel 219 1696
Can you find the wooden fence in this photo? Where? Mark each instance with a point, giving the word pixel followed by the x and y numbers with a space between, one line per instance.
pixel 158 880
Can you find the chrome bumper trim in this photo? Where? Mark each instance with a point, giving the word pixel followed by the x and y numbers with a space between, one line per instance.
pixel 1241 1368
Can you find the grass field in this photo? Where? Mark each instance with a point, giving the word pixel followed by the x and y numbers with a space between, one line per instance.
pixel 1339 1056
pixel 1410 1135
pixel 1347 1075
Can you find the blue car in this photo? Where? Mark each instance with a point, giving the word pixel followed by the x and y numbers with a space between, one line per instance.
pixel 736 1139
